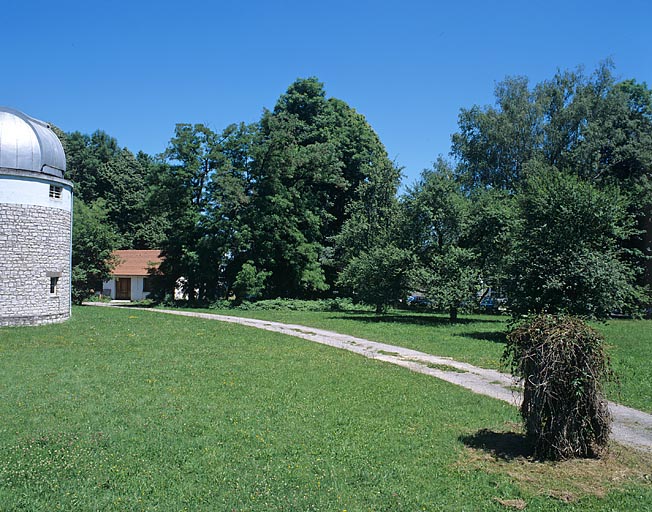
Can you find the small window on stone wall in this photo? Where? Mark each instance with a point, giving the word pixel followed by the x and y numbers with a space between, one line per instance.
pixel 54 284
pixel 55 191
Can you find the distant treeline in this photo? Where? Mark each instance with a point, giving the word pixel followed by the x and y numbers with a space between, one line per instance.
pixel 547 197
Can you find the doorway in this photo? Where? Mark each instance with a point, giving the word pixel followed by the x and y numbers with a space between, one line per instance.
pixel 123 288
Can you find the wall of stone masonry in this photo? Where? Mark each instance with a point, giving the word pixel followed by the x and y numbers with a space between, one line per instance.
pixel 34 244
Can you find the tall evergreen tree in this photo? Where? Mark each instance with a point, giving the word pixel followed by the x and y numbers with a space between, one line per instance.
pixel 314 159
pixel 293 165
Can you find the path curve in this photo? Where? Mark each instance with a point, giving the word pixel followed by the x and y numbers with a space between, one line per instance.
pixel 630 426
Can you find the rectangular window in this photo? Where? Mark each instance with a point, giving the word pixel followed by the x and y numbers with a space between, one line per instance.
pixel 55 191
pixel 147 285
pixel 54 282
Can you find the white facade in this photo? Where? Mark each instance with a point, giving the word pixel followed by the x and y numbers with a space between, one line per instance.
pixel 21 188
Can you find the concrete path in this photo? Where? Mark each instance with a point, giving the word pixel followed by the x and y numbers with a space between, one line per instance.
pixel 630 426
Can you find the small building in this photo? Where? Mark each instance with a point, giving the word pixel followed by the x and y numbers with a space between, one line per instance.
pixel 131 278
pixel 35 223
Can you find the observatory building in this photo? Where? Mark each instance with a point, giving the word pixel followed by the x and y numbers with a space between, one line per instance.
pixel 35 223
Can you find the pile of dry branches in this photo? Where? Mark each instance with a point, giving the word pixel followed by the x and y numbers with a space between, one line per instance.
pixel 563 365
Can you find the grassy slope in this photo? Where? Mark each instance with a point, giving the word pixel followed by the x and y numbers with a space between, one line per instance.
pixel 479 340
pixel 126 410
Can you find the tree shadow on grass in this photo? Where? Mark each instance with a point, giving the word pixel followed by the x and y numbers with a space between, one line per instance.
pixel 493 336
pixel 127 305
pixel 502 445
pixel 407 319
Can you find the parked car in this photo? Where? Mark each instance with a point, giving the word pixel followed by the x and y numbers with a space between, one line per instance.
pixel 493 304
pixel 418 301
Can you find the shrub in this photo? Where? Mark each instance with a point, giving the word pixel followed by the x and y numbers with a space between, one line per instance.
pixel 250 282
pixel 568 255
pixel 338 304
pixel 563 366
pixel 220 304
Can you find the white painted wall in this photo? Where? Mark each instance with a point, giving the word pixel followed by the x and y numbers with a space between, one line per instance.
pixel 108 288
pixel 25 190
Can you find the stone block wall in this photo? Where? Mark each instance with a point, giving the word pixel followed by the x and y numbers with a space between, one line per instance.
pixel 34 247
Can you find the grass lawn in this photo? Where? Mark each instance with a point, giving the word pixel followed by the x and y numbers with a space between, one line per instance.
pixel 480 340
pixel 129 410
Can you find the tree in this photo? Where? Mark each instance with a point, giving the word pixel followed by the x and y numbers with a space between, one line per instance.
pixel 566 103
pixel 437 216
pixel 99 168
pixel 376 270
pixel 494 144
pixel 295 166
pixel 271 196
pixel 592 126
pixel 126 191
pixel 373 266
pixel 85 155
pixel 181 193
pixel 490 225
pixel 547 124
pixel 617 151
pixel 228 221
pixel 249 283
pixel 378 276
pixel 93 243
pixel 567 255
pixel 314 159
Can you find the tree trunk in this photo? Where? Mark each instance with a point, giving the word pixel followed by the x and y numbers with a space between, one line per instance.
pixel 453 313
pixel 646 225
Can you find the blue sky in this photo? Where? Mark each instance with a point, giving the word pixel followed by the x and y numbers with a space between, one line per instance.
pixel 136 68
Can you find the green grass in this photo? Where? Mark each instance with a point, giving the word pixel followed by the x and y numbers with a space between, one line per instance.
pixel 480 340
pixel 630 347
pixel 476 339
pixel 131 410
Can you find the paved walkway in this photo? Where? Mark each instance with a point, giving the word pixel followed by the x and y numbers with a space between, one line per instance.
pixel 630 426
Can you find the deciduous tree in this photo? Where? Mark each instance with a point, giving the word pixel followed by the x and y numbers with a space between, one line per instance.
pixel 93 243
pixel 437 219
pixel 567 255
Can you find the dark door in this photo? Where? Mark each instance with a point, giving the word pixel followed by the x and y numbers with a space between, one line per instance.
pixel 123 288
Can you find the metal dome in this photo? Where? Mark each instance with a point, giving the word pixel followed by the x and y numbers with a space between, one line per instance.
pixel 29 144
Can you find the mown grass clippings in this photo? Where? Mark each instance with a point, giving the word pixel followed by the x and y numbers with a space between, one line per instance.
pixel 445 368
pixel 570 481
pixel 389 353
pixel 517 504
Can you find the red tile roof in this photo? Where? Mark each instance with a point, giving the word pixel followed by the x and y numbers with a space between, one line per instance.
pixel 136 262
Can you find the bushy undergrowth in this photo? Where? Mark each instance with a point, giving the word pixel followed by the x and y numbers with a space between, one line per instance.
pixel 563 364
pixel 340 304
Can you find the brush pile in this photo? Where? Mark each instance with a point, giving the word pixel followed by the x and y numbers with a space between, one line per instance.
pixel 563 365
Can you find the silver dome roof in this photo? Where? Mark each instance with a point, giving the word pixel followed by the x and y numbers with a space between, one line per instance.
pixel 29 144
